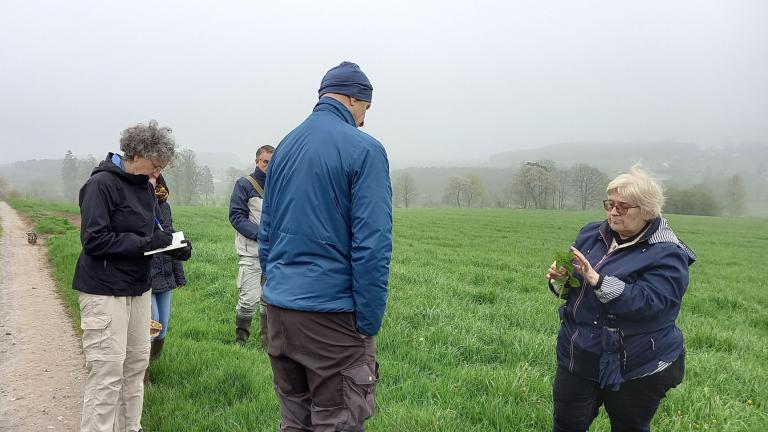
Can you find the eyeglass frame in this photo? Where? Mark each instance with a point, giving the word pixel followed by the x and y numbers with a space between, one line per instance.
pixel 621 209
pixel 156 169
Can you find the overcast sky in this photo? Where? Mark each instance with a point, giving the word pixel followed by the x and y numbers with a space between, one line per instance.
pixel 454 82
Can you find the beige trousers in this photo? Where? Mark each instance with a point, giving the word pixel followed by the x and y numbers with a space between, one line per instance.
pixel 116 346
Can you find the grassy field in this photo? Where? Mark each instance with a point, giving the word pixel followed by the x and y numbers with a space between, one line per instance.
pixel 469 333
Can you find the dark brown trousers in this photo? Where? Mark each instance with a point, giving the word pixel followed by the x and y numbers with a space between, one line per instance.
pixel 325 372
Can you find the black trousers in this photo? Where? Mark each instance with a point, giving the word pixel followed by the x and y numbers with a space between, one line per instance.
pixel 631 408
pixel 324 371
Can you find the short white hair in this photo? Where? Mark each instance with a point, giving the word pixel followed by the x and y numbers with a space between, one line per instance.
pixel 640 189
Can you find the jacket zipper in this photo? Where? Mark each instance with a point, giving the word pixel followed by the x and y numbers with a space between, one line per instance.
pixel 578 301
pixel 581 295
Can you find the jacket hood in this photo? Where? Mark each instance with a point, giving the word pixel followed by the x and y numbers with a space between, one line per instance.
pixel 108 166
pixel 658 232
pixel 665 234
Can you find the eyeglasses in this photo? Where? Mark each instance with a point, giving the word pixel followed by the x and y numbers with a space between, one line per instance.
pixel 156 168
pixel 264 161
pixel 621 208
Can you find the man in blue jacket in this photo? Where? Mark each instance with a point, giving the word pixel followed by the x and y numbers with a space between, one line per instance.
pixel 325 243
pixel 245 215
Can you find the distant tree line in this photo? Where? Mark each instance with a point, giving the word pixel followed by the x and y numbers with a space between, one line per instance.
pixel 713 198
pixel 189 183
pixel 543 185
pixel 540 184
pixel 74 172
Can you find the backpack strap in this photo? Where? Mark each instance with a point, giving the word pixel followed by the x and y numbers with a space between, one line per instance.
pixel 256 185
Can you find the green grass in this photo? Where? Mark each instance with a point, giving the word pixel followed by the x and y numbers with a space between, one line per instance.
pixel 468 337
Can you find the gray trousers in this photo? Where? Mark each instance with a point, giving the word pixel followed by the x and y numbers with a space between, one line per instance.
pixel 249 283
pixel 324 371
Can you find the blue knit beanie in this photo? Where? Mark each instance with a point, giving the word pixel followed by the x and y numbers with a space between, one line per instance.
pixel 347 79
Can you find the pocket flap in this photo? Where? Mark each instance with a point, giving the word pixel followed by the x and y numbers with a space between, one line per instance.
pixel 246 263
pixel 95 322
pixel 361 374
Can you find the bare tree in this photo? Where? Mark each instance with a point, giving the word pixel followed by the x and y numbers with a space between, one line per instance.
pixel 206 183
pixel 508 197
pixel 475 191
pixel 183 177
pixel 735 198
pixel 588 185
pixel 456 190
pixel 561 188
pixel 69 176
pixel 405 190
pixel 534 184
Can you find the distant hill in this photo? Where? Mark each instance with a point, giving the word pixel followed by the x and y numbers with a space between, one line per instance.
pixel 668 159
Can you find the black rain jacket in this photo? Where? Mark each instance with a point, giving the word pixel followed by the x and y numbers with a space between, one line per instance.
pixel 118 212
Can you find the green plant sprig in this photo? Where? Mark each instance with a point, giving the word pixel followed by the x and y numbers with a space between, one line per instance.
pixel 565 259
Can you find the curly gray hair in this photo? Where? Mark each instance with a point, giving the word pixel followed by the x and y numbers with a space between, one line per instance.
pixel 149 141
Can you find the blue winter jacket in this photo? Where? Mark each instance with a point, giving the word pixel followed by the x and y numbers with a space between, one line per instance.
pixel 325 238
pixel 625 327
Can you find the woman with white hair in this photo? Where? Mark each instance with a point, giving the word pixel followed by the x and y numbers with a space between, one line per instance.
pixel 618 344
pixel 118 211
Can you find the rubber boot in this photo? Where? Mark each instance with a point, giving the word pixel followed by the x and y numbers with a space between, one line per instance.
pixel 263 330
pixel 156 349
pixel 242 330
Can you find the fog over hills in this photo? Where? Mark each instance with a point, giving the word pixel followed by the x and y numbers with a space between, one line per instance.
pixel 676 164
pixel 684 162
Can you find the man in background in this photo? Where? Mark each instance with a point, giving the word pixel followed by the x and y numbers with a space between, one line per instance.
pixel 325 245
pixel 245 215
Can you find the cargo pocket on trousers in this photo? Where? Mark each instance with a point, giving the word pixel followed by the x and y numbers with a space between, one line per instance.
pixel 360 392
pixel 241 273
pixel 95 335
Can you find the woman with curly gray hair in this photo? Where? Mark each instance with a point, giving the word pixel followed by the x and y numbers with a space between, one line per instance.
pixel 118 212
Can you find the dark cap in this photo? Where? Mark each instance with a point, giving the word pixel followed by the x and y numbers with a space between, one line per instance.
pixel 347 79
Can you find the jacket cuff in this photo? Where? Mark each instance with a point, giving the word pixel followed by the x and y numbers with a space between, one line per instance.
pixel 608 288
pixel 555 290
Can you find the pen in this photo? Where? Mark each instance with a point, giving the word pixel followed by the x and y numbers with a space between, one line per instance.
pixel 158 224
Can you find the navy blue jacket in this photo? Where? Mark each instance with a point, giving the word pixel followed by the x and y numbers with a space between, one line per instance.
pixel 239 212
pixel 167 273
pixel 325 240
pixel 625 327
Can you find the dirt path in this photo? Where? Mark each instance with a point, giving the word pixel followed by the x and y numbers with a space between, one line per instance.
pixel 41 361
